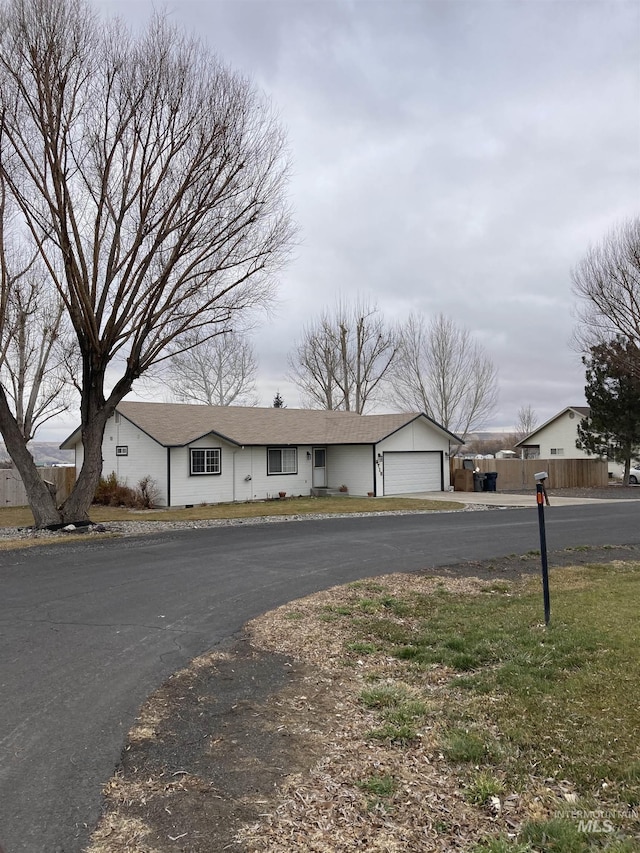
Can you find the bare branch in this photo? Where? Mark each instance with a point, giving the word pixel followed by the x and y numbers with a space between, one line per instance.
pixel 607 284
pixel 217 372
pixel 526 422
pixel 443 372
pixel 343 357
pixel 33 335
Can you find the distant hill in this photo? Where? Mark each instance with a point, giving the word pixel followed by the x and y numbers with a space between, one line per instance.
pixel 45 453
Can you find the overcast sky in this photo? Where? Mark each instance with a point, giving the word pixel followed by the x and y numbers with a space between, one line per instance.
pixel 454 157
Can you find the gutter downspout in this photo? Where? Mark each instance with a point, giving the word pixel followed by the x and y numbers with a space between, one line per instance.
pixel 233 475
pixel 375 478
pixel 168 476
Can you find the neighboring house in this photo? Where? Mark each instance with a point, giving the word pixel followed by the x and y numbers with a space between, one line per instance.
pixel 210 454
pixel 557 437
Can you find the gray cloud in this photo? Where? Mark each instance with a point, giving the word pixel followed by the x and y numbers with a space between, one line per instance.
pixel 448 157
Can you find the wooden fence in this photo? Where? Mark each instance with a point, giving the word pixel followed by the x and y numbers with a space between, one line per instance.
pixel 12 491
pixel 514 475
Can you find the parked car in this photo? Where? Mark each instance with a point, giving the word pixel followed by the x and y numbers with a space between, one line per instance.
pixel 634 476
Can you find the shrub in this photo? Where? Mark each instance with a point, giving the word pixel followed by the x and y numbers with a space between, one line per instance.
pixel 111 492
pixel 147 493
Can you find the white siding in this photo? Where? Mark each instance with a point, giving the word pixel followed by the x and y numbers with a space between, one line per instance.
pixel 350 465
pixel 561 434
pixel 265 485
pixel 145 457
pixel 419 436
pixel 243 478
pixel 203 488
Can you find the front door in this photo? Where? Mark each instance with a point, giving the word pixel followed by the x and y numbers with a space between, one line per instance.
pixel 319 477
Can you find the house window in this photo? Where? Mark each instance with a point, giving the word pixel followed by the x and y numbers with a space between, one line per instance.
pixel 205 460
pixel 557 451
pixel 122 450
pixel 282 460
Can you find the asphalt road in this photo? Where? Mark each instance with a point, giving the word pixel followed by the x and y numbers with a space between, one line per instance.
pixel 89 629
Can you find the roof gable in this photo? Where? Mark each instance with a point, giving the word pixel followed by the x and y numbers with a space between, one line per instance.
pixel 581 411
pixel 179 424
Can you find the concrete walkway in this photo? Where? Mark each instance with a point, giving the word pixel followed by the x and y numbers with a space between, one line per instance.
pixel 505 499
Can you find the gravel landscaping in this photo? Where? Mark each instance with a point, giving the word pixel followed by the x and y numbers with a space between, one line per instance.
pixel 140 528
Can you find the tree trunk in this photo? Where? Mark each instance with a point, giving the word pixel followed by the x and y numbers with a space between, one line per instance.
pixel 95 413
pixel 41 501
pixel 77 505
pixel 627 465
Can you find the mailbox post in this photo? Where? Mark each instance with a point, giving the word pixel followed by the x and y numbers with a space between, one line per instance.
pixel 541 497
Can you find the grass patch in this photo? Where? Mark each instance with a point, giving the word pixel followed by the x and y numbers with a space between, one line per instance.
pixel 522 701
pixel 462 745
pixel 22 516
pixel 362 648
pixel 384 696
pixel 295 616
pixel 338 609
pixel 399 710
pixel 399 734
pixel 380 787
pixel 482 787
pixel 559 835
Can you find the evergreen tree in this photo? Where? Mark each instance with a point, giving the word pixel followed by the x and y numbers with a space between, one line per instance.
pixel 278 402
pixel 612 391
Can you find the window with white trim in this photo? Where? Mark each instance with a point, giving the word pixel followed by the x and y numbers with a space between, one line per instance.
pixel 205 460
pixel 557 451
pixel 122 450
pixel 282 460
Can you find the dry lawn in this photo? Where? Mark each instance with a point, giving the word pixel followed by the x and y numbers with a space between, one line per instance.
pixel 349 783
pixel 22 517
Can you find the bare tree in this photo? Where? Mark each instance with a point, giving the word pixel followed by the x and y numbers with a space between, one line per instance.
pixel 32 338
pixel 342 357
pixel 220 371
pixel 607 283
pixel 443 372
pixel 314 364
pixel 151 180
pixel 32 370
pixel 526 422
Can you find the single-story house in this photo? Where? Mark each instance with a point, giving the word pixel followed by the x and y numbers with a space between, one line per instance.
pixel 210 454
pixel 556 437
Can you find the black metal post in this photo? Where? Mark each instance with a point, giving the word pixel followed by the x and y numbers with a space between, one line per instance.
pixel 543 552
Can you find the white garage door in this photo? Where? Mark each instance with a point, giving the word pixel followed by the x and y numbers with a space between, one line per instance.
pixel 405 473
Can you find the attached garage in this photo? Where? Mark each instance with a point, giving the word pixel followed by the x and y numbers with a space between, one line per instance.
pixel 409 472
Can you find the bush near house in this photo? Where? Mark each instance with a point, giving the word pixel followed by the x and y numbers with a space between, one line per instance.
pixel 111 492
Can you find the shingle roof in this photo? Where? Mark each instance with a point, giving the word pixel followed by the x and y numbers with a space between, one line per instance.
pixel 178 424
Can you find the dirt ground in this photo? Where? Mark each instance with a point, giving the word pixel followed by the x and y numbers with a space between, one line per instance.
pixel 214 745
